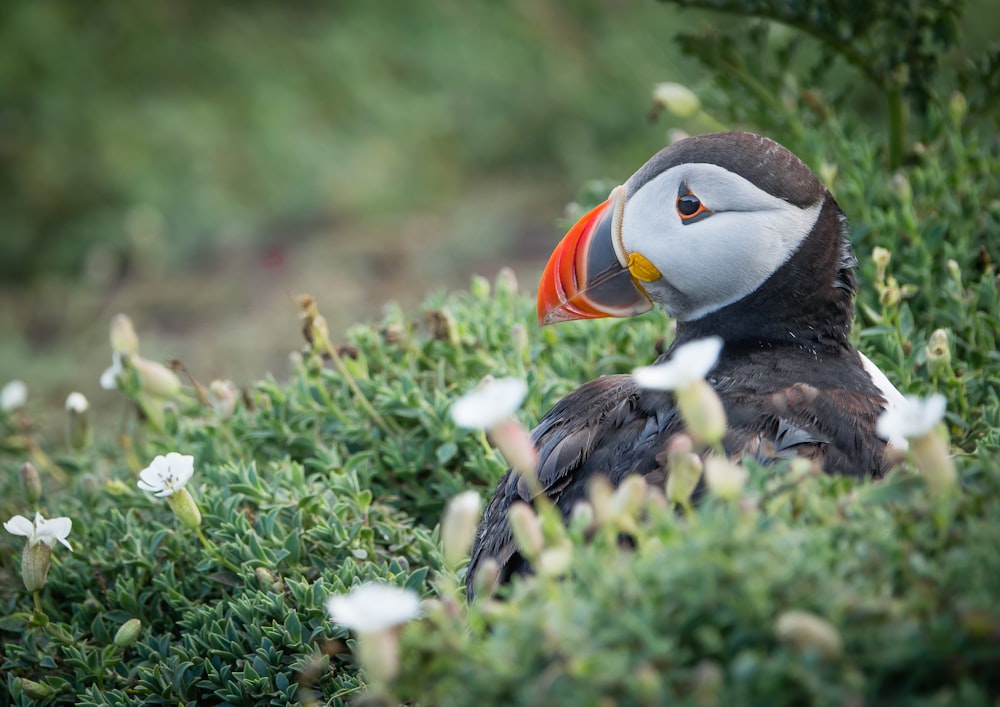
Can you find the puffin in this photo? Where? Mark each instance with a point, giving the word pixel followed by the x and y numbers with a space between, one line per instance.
pixel 733 236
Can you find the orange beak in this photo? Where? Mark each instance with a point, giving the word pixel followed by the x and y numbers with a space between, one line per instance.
pixel 585 278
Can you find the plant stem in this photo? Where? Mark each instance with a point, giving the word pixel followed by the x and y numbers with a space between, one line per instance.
pixel 338 363
pixel 214 549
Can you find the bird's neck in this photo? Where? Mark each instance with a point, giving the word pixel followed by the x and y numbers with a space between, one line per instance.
pixel 807 303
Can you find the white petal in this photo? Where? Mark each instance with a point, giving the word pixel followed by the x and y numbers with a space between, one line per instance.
pixel 370 607
pixel 689 363
pixel 19 525
pixel 933 410
pixel 109 379
pixel 914 417
pixel 13 395
pixel 49 531
pixel 181 468
pixel 489 404
pixel 166 475
pixel 155 477
pixel 77 402
pixel 659 377
pixel 893 398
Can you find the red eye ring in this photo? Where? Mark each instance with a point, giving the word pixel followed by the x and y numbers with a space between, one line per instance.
pixel 689 207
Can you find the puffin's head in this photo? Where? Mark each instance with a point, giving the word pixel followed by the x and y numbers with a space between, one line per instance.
pixel 701 225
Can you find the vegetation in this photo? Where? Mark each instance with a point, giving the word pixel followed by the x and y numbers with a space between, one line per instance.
pixel 799 589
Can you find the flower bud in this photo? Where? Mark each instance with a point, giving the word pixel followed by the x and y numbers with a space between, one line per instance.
pixel 319 330
pixel 901 185
pixel 35 562
pixel 156 379
pixel 394 334
pixel 378 654
pixel 31 484
pixel 676 98
pixel 117 487
pixel 702 411
pixel 13 395
pixel 954 271
pixel 487 578
pixel 808 633
pixel 930 454
pixel 479 286
pixel 506 282
pixel 127 633
pixel 600 494
pixel 223 394
pixel 709 681
pixel 458 527
pixel 581 517
pixel 881 256
pixel 938 353
pixel 185 508
pixel 520 342
pixel 890 294
pixel 124 340
pixel 513 441
pixel 77 421
pixel 827 173
pixel 527 530
pixel 685 471
pixel 443 326
pixel 36 690
pixel 265 578
pixel 555 561
pixel 958 106
pixel 89 486
pixel 724 478
pixel 627 498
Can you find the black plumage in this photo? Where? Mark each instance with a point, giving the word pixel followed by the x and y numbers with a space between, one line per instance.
pixel 790 380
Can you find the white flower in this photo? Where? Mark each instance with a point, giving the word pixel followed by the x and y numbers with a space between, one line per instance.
pixel 13 395
pixel 489 404
pixel 167 474
pixel 690 362
pixel 911 418
pixel 46 531
pixel 458 527
pixel 109 379
pixel 77 402
pixel 372 608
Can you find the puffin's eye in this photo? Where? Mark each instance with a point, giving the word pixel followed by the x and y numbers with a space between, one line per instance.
pixel 689 206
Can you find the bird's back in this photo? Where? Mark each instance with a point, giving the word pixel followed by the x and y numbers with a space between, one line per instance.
pixel 611 427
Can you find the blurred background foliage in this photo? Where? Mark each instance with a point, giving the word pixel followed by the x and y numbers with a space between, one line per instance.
pixel 126 123
pixel 197 164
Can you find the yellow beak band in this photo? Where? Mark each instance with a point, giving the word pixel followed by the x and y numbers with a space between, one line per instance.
pixel 641 268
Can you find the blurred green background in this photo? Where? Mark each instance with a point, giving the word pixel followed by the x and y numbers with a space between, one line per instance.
pixel 196 165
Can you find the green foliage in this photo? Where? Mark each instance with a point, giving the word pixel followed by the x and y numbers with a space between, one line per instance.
pixel 782 78
pixel 339 475
pixel 688 612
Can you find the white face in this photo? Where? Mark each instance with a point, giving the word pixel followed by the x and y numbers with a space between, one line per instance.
pixel 719 256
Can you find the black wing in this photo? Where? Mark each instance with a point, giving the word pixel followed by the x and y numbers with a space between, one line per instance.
pixel 607 426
